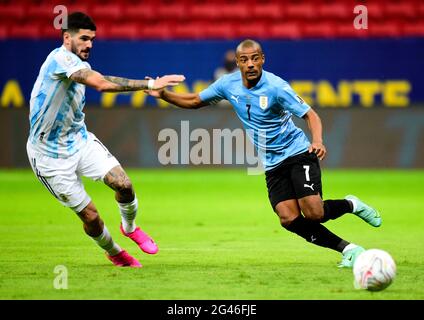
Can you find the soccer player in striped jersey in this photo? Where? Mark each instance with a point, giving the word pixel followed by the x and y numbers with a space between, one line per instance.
pixel 265 104
pixel 61 149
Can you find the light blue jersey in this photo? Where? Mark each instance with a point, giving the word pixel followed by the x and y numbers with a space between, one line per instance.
pixel 266 113
pixel 57 127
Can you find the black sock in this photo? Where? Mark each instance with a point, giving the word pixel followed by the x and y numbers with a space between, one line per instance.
pixel 316 233
pixel 334 209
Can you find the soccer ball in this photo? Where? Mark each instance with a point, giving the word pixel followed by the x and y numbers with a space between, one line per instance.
pixel 374 270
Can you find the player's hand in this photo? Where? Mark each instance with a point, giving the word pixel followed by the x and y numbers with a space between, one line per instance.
pixel 319 149
pixel 153 93
pixel 169 80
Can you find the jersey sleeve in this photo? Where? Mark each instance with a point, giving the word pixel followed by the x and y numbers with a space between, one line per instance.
pixel 67 64
pixel 214 93
pixel 290 101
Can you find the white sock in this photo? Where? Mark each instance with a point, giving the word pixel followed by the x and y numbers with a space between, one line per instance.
pixel 105 242
pixel 354 204
pixel 128 214
pixel 349 246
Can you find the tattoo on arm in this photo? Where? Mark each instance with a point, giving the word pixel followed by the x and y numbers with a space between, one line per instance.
pixel 124 84
pixel 81 75
pixel 107 83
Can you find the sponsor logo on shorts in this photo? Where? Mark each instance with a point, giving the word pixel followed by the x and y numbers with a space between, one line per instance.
pixel 309 186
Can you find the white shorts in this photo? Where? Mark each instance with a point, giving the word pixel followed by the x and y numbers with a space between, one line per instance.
pixel 62 177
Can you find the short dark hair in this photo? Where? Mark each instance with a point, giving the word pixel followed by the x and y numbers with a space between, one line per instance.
pixel 77 21
pixel 248 43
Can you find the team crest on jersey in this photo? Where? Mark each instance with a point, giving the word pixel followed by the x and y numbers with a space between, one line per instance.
pixel 263 102
pixel 68 60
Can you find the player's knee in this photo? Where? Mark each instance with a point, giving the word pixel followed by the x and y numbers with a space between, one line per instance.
pixel 94 227
pixel 286 214
pixel 313 212
pixel 125 187
pixel 93 219
pixel 312 208
pixel 89 215
pixel 286 221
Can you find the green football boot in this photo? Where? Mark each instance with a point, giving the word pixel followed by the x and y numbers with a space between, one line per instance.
pixel 350 256
pixel 365 212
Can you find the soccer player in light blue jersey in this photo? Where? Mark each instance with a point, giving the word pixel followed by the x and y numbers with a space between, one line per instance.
pixel 61 150
pixel 265 104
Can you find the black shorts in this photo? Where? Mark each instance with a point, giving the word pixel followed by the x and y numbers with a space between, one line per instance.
pixel 294 178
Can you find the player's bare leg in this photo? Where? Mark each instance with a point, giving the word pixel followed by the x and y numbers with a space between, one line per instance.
pixel 92 223
pixel 96 229
pixel 311 230
pixel 312 207
pixel 119 181
pixel 314 210
pixel 287 211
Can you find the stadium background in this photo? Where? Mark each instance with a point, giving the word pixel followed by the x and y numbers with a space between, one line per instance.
pixel 366 84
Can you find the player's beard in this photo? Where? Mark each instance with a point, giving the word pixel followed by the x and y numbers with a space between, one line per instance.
pixel 74 50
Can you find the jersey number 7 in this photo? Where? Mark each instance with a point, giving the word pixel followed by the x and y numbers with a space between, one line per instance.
pixel 248 111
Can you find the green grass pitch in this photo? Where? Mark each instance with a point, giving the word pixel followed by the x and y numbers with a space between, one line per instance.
pixel 218 239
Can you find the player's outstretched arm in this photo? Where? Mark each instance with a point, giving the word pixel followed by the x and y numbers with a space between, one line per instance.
pixel 315 127
pixel 102 83
pixel 182 100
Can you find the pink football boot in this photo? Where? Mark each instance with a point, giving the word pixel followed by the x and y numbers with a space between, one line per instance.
pixel 142 239
pixel 123 259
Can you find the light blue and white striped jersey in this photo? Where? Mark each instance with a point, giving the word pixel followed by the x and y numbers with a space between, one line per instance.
pixel 57 127
pixel 266 112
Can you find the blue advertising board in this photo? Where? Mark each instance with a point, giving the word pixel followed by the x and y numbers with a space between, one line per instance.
pixel 326 73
